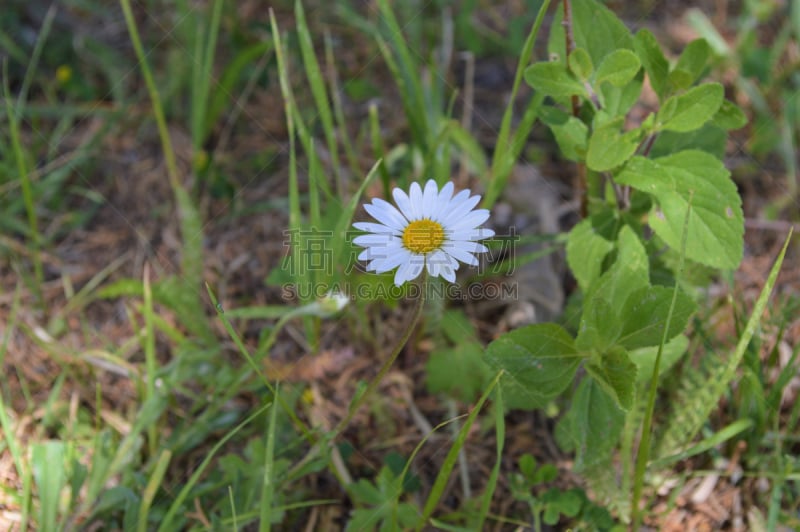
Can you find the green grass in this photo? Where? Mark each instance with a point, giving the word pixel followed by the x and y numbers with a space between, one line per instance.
pixel 171 388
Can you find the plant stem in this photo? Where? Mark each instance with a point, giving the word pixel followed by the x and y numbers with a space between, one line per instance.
pixel 581 185
pixel 389 361
pixel 330 436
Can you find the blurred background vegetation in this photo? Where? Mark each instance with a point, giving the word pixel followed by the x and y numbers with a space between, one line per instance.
pixel 119 382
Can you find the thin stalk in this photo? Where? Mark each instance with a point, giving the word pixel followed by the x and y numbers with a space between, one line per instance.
pixel 25 183
pixel 420 304
pixel 158 110
pixel 149 354
pixel 643 453
pixel 581 186
pixel 330 436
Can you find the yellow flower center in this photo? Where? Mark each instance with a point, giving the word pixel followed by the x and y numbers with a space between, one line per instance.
pixel 423 236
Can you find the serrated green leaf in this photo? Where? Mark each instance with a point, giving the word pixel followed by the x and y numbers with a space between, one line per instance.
pixel 539 363
pixel 618 68
pixel 629 272
pixel 592 425
pixel 716 225
pixel 729 116
pixel 600 326
pixel 645 315
pixel 609 148
pixel 580 64
pixel 690 65
pixel 692 109
pixel 645 357
pixel 553 80
pixel 586 249
pixel 570 132
pixel 614 371
pixel 655 64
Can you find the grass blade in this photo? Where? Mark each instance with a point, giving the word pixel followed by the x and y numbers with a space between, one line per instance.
pixel 47 461
pixel 190 221
pixel 166 523
pixel 500 436
pixel 318 91
pixel 452 455
pixel 405 72
pixel 152 487
pixel 503 157
pixel 25 183
pixel 268 484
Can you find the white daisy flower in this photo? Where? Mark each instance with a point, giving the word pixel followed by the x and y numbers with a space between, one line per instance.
pixel 429 228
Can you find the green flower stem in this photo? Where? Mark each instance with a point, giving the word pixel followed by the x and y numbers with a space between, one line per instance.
pixel 420 304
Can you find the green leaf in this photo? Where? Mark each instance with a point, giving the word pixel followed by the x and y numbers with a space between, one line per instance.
pixel 729 116
pixel 645 357
pixel 459 372
pixel 653 60
pixel 618 68
pixel 595 28
pixel 692 109
pixel 539 362
pixel 586 249
pixel 570 132
pixel 600 326
pixel 567 503
pixel 645 314
pixel 47 460
pixel 716 225
pixel 690 65
pixel 554 80
pixel 629 272
pixel 580 64
pixel 708 138
pixel 617 101
pixel 592 425
pixel 609 148
pixel 614 371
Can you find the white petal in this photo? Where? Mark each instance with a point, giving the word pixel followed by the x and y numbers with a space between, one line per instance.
pixel 470 220
pixel 378 229
pixel 410 270
pixel 457 200
pixel 401 198
pixel 478 233
pixel 433 268
pixel 372 240
pixel 448 272
pixel 365 255
pixel 447 192
pixel 442 201
pixel 429 197
pixel 461 253
pixel 436 261
pixel 385 213
pixel 415 195
pixel 392 260
pixel 455 214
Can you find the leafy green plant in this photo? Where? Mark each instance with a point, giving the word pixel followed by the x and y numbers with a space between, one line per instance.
pixel 766 74
pixel 646 190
